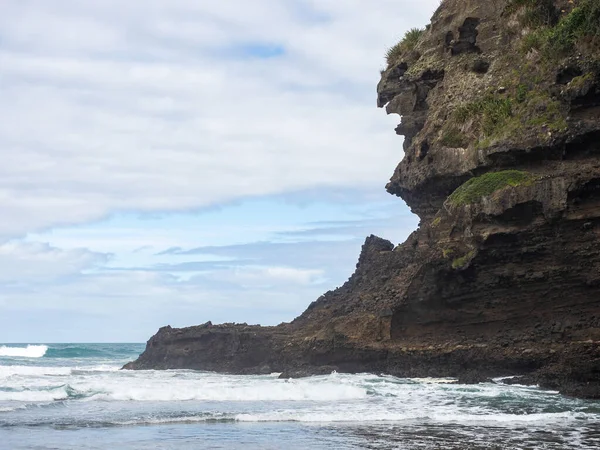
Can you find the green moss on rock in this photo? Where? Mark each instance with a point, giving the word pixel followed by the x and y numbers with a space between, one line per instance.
pixel 447 252
pixel 461 262
pixel 485 185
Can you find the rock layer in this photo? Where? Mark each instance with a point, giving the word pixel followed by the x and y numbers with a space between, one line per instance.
pixel 502 277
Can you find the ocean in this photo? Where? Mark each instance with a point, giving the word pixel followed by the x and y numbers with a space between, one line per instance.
pixel 74 396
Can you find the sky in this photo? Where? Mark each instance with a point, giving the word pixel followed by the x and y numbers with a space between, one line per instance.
pixel 174 162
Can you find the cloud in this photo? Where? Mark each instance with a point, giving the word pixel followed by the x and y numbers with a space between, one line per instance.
pixel 24 262
pixel 162 106
pixel 145 108
pixel 267 277
pixel 309 253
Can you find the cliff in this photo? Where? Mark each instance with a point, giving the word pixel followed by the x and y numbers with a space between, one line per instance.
pixel 500 111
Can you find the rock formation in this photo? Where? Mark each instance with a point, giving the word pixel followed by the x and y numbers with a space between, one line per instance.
pixel 500 111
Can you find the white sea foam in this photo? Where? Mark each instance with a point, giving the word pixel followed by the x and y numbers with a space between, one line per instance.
pixel 413 416
pixel 49 371
pixel 31 351
pixel 213 389
pixel 435 380
pixel 33 371
pixel 59 393
pixel 80 370
pixel 174 420
pixel 4 409
pixel 105 394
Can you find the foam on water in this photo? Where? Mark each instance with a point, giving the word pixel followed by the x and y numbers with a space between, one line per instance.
pixel 59 393
pixel 7 409
pixel 83 393
pixel 167 391
pixel 32 371
pixel 31 351
pixel 370 416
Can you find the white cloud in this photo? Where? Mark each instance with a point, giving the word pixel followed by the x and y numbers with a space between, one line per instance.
pixel 23 262
pixel 267 277
pixel 140 106
pixel 152 106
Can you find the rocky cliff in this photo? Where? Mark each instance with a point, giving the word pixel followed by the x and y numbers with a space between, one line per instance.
pixel 500 112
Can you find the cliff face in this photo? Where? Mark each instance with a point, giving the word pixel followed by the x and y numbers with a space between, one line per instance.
pixel 500 107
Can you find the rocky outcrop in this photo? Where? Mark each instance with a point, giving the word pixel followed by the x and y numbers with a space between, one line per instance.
pixel 500 114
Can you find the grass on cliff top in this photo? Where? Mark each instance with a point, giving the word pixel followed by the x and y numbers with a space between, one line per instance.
pixel 556 33
pixel 486 184
pixel 408 43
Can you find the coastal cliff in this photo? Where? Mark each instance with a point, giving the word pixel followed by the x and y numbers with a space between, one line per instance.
pixel 500 112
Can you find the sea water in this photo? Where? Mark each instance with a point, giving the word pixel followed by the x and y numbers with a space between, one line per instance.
pixel 74 396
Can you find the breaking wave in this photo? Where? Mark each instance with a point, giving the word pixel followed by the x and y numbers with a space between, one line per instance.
pixel 31 351
pixel 81 386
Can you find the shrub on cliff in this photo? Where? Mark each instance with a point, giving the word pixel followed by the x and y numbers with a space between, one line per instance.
pixel 493 110
pixel 535 13
pixel 580 24
pixel 408 43
pixel 486 184
pixel 555 35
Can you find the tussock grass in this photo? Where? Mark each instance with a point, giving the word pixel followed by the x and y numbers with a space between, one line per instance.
pixel 492 110
pixel 408 43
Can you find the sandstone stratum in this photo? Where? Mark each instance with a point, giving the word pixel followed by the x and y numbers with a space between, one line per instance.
pixel 500 112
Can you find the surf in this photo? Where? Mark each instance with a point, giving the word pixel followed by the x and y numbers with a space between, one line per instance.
pixel 31 351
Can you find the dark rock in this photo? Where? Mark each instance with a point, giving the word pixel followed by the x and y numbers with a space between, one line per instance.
pixel 467 37
pixel 480 66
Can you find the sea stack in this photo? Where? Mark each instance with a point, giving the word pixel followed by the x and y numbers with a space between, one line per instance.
pixel 500 112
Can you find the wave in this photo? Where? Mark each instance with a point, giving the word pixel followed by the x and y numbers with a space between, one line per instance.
pixel 413 416
pixel 107 383
pixel 77 352
pixel 187 390
pixel 31 351
pixel 150 394
pixel 331 416
pixel 127 397
pixel 48 395
pixel 56 371
pixel 95 352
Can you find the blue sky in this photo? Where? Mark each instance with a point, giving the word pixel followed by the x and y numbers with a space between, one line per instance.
pixel 184 161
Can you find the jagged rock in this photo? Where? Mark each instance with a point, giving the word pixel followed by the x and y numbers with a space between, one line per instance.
pixel 502 277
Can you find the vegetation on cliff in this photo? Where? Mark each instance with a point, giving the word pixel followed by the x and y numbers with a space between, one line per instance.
pixel 408 43
pixel 461 262
pixel 486 184
pixel 556 33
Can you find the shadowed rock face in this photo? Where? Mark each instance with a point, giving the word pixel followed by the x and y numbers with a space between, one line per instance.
pixel 502 277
